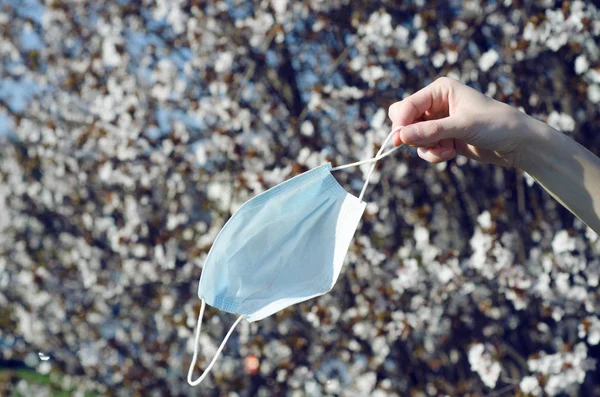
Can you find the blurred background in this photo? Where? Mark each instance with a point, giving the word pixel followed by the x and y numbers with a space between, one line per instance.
pixel 132 130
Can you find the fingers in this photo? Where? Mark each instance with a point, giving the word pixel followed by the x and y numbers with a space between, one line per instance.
pixel 442 151
pixel 427 133
pixel 437 154
pixel 433 99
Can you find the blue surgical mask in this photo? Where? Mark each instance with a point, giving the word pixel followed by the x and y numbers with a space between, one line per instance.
pixel 282 247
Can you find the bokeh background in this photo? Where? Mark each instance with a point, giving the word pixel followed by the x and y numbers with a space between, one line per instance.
pixel 132 130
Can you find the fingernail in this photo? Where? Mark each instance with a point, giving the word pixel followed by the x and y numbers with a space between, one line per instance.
pixel 410 134
pixel 396 140
pixel 446 154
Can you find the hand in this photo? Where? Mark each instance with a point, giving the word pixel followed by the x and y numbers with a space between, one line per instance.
pixel 447 118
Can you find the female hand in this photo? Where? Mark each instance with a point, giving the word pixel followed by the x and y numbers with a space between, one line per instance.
pixel 447 118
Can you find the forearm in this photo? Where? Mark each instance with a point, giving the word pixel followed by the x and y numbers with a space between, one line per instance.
pixel 567 170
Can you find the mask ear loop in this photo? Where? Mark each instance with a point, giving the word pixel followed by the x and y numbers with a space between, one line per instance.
pixel 373 160
pixel 196 342
pixel 341 167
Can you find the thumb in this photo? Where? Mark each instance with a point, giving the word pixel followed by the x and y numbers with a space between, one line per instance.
pixel 429 132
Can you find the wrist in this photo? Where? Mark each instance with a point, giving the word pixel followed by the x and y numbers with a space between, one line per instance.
pixel 536 142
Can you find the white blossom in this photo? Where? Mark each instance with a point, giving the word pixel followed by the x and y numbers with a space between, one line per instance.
pixel 488 59
pixel 482 363
pixel 561 121
pixel 530 385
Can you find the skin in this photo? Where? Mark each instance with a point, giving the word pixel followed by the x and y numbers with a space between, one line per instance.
pixel 448 118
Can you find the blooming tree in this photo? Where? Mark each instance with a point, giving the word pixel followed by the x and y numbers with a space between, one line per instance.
pixel 131 131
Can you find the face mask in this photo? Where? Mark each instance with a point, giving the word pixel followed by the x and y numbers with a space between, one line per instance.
pixel 282 247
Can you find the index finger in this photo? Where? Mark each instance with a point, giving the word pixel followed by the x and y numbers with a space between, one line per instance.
pixel 433 98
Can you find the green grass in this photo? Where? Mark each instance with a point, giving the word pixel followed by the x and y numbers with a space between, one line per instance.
pixel 34 378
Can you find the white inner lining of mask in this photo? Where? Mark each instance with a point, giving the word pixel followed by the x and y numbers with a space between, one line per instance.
pixel 373 160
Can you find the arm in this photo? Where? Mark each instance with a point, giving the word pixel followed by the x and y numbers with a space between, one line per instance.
pixel 447 118
pixel 567 170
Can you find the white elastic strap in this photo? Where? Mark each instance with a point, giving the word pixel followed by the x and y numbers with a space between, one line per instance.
pixel 341 167
pixel 373 160
pixel 196 342
pixel 390 135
